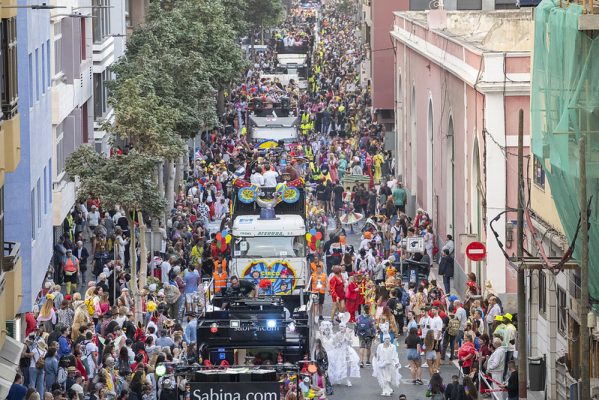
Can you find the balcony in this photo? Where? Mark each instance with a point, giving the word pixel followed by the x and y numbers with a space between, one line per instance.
pixel 11 280
pixel 12 143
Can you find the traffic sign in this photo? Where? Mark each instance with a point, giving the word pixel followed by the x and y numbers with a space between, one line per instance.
pixel 476 251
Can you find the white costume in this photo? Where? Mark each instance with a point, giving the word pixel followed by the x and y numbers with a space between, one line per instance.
pixel 344 362
pixel 385 365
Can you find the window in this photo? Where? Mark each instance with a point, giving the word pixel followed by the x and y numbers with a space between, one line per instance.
pixel 128 13
pixel 542 293
pixel 30 80
pixel 562 312
pixel 46 191
pixel 39 203
pixel 37 74
pixel 101 94
pixel 32 205
pixel 43 68
pixel 9 78
pixel 57 48
pixel 48 63
pixel 50 181
pixel 59 149
pixel 98 97
pixel 101 20
pixel 539 172
pixel 83 41
pixel 575 283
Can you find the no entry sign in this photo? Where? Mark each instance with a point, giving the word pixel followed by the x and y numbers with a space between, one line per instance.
pixel 476 251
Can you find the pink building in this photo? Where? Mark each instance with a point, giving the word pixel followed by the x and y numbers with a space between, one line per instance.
pixel 460 79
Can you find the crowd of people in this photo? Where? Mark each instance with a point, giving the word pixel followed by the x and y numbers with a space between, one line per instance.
pixel 89 338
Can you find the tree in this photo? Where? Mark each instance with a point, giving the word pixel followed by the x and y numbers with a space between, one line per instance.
pixel 125 180
pixel 263 14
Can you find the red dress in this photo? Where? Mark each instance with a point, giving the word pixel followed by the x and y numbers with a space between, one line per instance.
pixel 337 288
pixel 352 300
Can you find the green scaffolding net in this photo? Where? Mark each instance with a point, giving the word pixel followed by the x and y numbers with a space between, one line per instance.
pixel 565 106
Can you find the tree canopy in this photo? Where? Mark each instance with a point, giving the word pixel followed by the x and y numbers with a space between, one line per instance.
pixel 125 179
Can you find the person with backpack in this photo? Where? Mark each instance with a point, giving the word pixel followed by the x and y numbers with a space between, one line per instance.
pixel 365 330
pixel 453 329
pixel 397 309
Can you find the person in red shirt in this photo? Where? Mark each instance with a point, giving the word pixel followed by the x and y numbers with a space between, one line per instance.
pixel 352 298
pixel 337 289
pixel 467 354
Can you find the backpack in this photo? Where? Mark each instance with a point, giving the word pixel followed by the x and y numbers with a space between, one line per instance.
pixel 61 377
pixel 396 307
pixel 91 309
pixel 453 327
pixel 364 326
pixel 405 299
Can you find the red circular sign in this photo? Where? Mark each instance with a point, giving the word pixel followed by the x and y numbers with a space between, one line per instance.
pixel 476 251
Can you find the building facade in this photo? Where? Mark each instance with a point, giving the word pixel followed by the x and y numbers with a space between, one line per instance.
pixel 11 260
pixel 560 117
pixel 108 36
pixel 459 89
pixel 72 101
pixel 28 190
pixel 377 19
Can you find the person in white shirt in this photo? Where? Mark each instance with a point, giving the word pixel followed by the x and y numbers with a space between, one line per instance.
pixel 256 178
pixel 449 245
pixel 165 268
pixel 270 178
pixel 117 215
pixel 494 310
pixel 93 218
pixel 437 328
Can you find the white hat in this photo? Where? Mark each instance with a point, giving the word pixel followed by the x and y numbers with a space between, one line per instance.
pixel 124 289
pixel 152 287
pixel 176 269
pixel 157 259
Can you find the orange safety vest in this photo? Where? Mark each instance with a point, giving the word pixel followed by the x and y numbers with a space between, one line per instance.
pixel 323 283
pixel 220 278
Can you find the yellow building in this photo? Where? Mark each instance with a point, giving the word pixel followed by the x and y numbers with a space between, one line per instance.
pixel 10 154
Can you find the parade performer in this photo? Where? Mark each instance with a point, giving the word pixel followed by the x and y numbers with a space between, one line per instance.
pixel 344 360
pixel 385 366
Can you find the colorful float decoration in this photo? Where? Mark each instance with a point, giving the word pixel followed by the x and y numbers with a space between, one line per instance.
pixel 280 274
pixel 287 192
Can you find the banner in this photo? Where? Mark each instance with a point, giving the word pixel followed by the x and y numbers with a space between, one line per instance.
pixel 235 391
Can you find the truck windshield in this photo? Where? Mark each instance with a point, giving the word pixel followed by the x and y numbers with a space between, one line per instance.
pixel 268 246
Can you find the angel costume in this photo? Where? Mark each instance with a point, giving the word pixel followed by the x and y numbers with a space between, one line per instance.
pixel 344 362
pixel 385 366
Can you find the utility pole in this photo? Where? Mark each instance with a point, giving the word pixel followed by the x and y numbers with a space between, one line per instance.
pixel 522 332
pixel 585 383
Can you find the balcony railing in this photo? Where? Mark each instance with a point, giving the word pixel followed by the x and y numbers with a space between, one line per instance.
pixel 12 252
